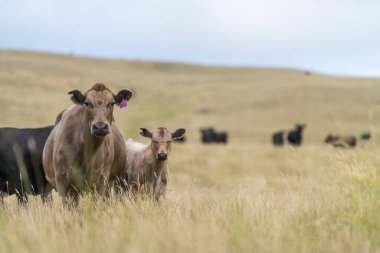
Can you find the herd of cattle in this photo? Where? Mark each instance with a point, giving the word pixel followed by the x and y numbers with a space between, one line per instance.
pixel 84 151
pixel 294 137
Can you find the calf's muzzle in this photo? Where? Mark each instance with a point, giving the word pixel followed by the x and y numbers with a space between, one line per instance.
pixel 162 156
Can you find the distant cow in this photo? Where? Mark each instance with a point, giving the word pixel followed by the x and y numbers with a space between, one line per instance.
pixel 365 136
pixel 295 135
pixel 209 135
pixel 341 141
pixel 278 138
pixel 21 170
pixel 147 168
pixel 86 150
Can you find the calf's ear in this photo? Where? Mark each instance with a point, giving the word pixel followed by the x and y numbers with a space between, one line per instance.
pixel 123 95
pixel 77 97
pixel 146 133
pixel 179 133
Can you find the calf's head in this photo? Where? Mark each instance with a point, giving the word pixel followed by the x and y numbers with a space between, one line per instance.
pixel 162 141
pixel 98 103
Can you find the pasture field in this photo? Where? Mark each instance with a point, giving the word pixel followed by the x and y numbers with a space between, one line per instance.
pixel 246 196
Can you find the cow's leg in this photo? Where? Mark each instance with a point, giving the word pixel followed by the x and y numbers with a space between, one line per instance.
pixel 22 199
pixel 102 185
pixel 2 194
pixel 157 185
pixel 47 193
pixel 164 182
pixel 61 179
pixel 73 196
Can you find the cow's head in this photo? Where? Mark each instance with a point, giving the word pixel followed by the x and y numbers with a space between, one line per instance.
pixel 98 103
pixel 300 127
pixel 162 141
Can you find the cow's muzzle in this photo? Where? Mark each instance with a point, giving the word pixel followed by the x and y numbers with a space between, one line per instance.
pixel 162 156
pixel 100 129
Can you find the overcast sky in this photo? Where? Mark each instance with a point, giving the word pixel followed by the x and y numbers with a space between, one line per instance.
pixel 328 36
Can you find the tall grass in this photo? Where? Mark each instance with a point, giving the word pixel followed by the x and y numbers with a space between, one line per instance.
pixel 246 196
pixel 321 200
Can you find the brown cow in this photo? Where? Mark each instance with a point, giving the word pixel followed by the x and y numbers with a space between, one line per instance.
pixel 86 149
pixel 147 164
pixel 341 141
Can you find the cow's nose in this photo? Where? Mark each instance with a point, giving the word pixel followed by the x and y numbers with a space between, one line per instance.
pixel 162 156
pixel 100 126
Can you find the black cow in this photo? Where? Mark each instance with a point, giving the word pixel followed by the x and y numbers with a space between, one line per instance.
pixel 209 135
pixel 295 135
pixel 21 170
pixel 278 138
pixel 365 136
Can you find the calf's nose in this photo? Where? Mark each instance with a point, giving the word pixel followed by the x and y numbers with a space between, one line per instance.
pixel 162 156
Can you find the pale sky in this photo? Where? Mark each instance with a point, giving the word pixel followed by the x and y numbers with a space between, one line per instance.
pixel 333 37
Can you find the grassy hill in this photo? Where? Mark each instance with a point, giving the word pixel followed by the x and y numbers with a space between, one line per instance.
pixel 246 196
pixel 248 102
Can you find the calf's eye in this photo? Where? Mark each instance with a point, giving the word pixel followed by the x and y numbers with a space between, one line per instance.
pixel 87 104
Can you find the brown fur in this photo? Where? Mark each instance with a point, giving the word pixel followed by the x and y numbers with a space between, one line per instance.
pixel 145 171
pixel 341 141
pixel 76 157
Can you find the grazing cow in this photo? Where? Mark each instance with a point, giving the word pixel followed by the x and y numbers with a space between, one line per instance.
pixel 278 138
pixel 365 136
pixel 341 141
pixel 85 150
pixel 209 135
pixel 295 135
pixel 147 164
pixel 21 171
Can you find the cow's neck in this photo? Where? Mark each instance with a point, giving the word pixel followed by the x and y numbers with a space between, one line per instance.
pixel 154 165
pixel 159 166
pixel 92 143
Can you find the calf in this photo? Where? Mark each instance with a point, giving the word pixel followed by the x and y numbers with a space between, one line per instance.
pixel 85 150
pixel 341 141
pixel 147 164
pixel 21 171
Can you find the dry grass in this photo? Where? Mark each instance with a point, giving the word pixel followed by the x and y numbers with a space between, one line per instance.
pixel 243 197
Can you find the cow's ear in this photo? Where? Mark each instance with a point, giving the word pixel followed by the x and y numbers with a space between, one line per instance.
pixel 146 133
pixel 179 133
pixel 123 95
pixel 77 97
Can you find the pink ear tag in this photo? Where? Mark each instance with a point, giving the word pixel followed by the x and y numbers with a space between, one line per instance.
pixel 123 103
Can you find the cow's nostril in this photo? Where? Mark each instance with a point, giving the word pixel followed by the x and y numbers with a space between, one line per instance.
pixel 100 126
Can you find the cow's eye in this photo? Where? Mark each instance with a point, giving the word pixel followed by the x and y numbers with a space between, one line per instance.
pixel 111 104
pixel 87 104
